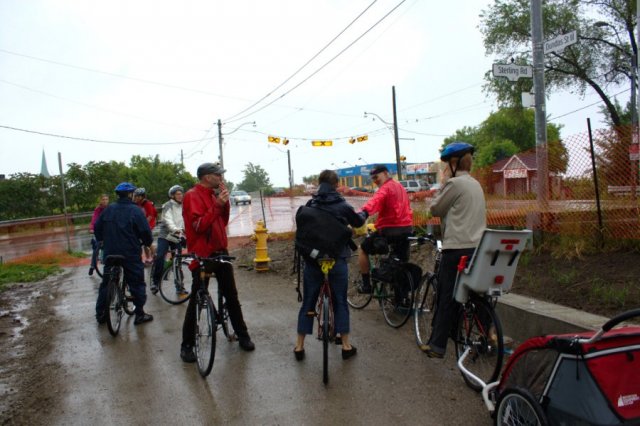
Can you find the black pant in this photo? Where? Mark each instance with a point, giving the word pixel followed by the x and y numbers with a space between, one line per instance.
pixel 227 285
pixel 447 307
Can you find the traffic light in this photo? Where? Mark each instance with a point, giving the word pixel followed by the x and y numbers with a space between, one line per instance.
pixel 285 141
pixel 363 138
pixel 274 139
pixel 352 140
pixel 321 143
pixel 403 158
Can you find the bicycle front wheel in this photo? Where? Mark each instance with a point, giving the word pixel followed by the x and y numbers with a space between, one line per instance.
pixel 424 307
pixel 355 299
pixel 175 284
pixel 115 300
pixel 518 407
pixel 479 330
pixel 396 299
pixel 98 266
pixel 205 334
pixel 325 339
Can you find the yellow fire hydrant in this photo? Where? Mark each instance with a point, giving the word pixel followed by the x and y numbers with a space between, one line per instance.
pixel 260 236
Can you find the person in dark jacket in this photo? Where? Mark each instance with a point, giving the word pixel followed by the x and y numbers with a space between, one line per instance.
pixel 122 228
pixel 328 199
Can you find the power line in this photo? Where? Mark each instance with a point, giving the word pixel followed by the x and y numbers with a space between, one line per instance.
pixel 98 140
pixel 303 66
pixel 112 74
pixel 322 67
pixel 584 107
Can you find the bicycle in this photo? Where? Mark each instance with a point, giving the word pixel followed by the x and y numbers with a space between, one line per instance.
pixel 426 291
pixel 481 280
pixel 324 314
pixel 174 282
pixel 96 258
pixel 119 299
pixel 391 285
pixel 209 318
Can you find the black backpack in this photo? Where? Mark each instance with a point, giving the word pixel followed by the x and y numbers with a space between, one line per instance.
pixel 320 233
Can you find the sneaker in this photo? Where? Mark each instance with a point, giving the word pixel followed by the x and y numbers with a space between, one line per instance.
pixel 348 353
pixel 141 318
pixel 154 288
pixel 102 319
pixel 246 343
pixel 364 289
pixel 430 352
pixel 187 354
pixel 90 271
pixel 181 291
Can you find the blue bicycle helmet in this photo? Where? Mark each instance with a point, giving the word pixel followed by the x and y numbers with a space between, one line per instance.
pixel 456 149
pixel 125 187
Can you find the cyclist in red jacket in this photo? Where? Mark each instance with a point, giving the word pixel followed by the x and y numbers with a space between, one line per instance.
pixel 150 212
pixel 393 225
pixel 205 209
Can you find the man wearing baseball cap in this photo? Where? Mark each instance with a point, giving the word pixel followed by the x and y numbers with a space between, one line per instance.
pixel 393 225
pixel 205 209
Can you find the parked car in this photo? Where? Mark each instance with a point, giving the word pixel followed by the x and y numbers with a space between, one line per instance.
pixel 414 185
pixel 360 189
pixel 238 197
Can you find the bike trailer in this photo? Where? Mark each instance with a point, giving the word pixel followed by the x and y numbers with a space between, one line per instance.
pixel 578 379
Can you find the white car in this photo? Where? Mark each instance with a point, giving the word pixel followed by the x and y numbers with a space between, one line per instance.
pixel 238 197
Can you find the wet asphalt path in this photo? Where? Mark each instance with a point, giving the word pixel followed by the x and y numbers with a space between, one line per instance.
pixel 138 377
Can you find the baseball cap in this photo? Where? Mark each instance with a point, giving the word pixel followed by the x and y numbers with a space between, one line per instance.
pixel 210 168
pixel 378 168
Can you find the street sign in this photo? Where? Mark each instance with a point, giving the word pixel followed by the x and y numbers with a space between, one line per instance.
pixel 558 44
pixel 512 71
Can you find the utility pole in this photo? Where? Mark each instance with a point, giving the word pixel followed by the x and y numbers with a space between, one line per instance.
pixel 64 203
pixel 395 133
pixel 220 143
pixel 537 38
pixel 290 176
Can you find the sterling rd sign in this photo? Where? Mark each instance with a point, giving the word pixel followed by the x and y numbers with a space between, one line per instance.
pixel 512 71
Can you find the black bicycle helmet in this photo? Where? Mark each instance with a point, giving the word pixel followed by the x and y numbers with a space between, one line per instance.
pixel 456 149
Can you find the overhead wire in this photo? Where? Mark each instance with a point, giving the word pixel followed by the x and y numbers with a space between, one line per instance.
pixel 303 66
pixel 98 140
pixel 321 68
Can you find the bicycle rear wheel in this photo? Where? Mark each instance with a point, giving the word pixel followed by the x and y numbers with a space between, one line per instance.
pixel 356 299
pixel 325 338
pixel 205 344
pixel 175 285
pixel 516 407
pixel 223 317
pixel 115 300
pixel 396 299
pixel 424 307
pixel 479 329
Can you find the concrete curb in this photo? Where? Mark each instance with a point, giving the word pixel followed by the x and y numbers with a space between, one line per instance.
pixel 523 317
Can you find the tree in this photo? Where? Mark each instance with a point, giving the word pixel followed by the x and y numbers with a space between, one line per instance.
pixel 311 180
pixel 507 132
pixel 255 178
pixel 602 56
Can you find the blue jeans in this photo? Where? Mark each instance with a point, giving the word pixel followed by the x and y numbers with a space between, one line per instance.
pixel 313 277
pixel 134 275
pixel 161 252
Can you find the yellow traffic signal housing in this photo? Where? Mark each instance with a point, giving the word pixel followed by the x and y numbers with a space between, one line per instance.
pixel 403 158
pixel 363 138
pixel 274 139
pixel 352 140
pixel 321 143
pixel 285 141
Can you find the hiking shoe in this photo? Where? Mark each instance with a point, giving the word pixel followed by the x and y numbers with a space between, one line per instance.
pixel 154 288
pixel 364 289
pixel 141 318
pixel 246 343
pixel 430 352
pixel 348 353
pixel 187 354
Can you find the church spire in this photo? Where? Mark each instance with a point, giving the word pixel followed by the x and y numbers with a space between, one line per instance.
pixel 43 167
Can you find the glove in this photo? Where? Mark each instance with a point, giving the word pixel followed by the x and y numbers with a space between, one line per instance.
pixel 363 214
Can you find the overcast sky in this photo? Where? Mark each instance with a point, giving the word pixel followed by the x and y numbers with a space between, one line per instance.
pixel 155 76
